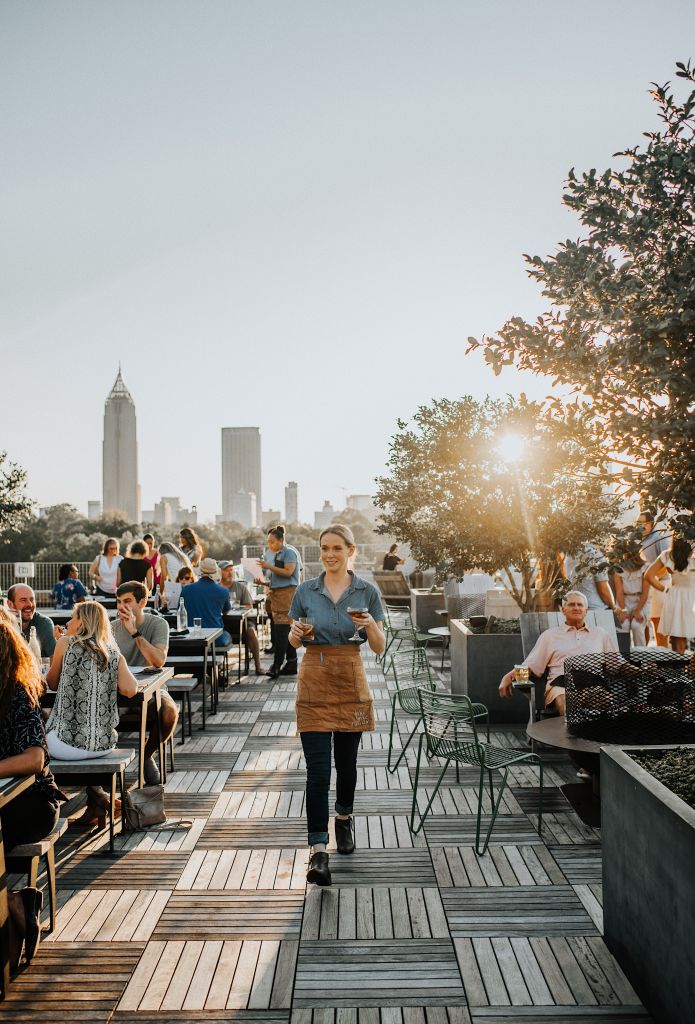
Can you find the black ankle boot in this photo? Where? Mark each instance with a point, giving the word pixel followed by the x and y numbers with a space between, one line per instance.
pixel 344 838
pixel 319 872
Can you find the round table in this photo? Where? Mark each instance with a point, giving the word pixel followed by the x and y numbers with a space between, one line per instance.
pixel 443 633
pixel 553 732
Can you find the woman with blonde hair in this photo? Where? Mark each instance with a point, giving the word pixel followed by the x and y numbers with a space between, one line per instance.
pixel 171 561
pixel 89 672
pixel 334 615
pixel 103 569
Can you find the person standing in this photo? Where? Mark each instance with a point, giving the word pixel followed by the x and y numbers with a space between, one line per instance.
pixel 654 543
pixel 282 569
pixel 152 558
pixel 334 704
pixel 103 569
pixel 192 547
pixel 171 561
pixel 632 594
pixel 392 559
pixel 593 583
pixel 239 593
pixel 678 613
pixel 135 568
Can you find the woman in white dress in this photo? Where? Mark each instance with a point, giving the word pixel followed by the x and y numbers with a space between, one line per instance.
pixel 632 594
pixel 678 614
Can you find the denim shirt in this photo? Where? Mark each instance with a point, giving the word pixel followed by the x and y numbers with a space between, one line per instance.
pixel 287 555
pixel 332 624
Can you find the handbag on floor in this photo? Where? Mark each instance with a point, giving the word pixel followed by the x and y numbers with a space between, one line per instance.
pixel 144 807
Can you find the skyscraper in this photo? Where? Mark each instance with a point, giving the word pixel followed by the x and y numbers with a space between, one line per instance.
pixel 291 503
pixel 241 469
pixel 121 490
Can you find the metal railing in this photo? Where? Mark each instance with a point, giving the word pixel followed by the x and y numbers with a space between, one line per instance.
pixel 44 579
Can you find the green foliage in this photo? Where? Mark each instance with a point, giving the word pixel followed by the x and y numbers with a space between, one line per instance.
pixel 621 325
pixel 15 507
pixel 461 505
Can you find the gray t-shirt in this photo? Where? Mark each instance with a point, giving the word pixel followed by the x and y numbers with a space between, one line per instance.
pixel 154 629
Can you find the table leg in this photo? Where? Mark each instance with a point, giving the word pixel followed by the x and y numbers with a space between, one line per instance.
pixel 4 922
pixel 160 741
pixel 141 743
pixel 205 679
pixel 214 682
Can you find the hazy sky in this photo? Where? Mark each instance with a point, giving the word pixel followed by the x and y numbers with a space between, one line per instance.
pixel 286 214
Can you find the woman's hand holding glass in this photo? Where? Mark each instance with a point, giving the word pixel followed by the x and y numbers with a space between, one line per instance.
pixel 362 620
pixel 302 629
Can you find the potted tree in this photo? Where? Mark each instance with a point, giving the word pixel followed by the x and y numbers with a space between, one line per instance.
pixel 495 485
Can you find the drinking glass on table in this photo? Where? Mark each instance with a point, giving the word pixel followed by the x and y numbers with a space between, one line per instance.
pixel 356 638
pixel 197 626
pixel 520 673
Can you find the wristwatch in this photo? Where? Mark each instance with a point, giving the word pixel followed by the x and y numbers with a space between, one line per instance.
pixel 136 634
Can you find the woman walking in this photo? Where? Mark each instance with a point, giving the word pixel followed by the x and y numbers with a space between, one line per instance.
pixel 334 704
pixel 678 614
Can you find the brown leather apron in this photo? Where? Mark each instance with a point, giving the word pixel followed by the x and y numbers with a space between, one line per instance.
pixel 280 601
pixel 332 691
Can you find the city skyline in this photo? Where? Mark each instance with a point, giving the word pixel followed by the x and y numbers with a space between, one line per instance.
pixel 289 217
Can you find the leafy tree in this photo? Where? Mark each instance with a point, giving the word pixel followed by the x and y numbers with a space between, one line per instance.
pixel 497 486
pixel 620 330
pixel 15 506
pixel 362 529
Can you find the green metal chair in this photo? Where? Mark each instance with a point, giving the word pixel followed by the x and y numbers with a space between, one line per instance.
pixel 406 697
pixel 450 733
pixel 401 629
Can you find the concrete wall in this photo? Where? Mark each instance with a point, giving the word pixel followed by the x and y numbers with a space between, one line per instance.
pixel 478 662
pixel 423 608
pixel 648 840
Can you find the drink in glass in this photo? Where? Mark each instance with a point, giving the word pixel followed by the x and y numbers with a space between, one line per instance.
pixel 307 625
pixel 197 626
pixel 356 638
pixel 520 674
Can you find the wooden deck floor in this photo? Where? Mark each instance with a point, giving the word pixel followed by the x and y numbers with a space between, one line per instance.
pixel 216 923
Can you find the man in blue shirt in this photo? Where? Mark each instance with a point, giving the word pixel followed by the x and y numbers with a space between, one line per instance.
pixel 208 600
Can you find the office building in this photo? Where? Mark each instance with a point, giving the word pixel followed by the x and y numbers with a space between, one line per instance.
pixel 242 509
pixel 325 517
pixel 121 490
pixel 364 504
pixel 291 503
pixel 241 471
pixel 270 517
pixel 93 510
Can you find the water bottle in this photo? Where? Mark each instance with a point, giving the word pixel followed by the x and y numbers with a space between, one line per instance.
pixel 157 598
pixel 181 616
pixel 35 646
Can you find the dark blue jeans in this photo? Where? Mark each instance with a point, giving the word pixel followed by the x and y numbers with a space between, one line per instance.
pixel 317 754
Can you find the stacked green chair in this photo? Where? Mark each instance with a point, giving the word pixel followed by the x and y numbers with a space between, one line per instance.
pixel 450 733
pixel 406 698
pixel 400 628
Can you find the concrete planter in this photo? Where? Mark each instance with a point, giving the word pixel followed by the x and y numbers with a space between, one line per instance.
pixel 478 662
pixel 648 839
pixel 423 608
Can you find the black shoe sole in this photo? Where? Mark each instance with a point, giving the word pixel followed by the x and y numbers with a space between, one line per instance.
pixel 345 853
pixel 318 877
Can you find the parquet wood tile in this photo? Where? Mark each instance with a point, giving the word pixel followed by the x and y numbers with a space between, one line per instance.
pixel 214 914
pixel 459 830
pixel 519 910
pixel 396 912
pixel 127 869
pixel 110 915
pixel 388 867
pixel 580 864
pixel 245 869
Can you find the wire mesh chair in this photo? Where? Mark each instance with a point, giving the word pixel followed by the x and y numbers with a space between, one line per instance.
pixel 450 733
pixel 399 628
pixel 406 698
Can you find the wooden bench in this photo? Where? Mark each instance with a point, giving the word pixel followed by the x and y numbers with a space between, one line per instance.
pixel 532 625
pixel 181 687
pixel 393 586
pixel 98 771
pixel 33 853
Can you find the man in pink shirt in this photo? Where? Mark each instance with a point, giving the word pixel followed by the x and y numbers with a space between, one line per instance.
pixel 554 645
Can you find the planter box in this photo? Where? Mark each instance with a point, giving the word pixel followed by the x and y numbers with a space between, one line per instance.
pixel 478 662
pixel 648 839
pixel 423 608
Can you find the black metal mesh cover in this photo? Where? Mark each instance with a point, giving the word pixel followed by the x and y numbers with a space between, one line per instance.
pixel 648 697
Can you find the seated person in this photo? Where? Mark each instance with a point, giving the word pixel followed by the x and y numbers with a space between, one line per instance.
pixel 68 590
pixel 32 815
pixel 208 601
pixel 240 594
pixel 89 672
pixel 143 639
pixel 558 643
pixel 173 593
pixel 21 598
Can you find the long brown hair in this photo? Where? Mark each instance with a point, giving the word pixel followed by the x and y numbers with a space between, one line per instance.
pixel 17 666
pixel 95 631
pixel 192 539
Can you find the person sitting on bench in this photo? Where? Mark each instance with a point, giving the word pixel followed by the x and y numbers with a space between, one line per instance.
pixel 558 643
pixel 143 639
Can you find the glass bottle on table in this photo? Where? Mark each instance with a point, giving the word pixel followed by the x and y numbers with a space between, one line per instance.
pixel 181 616
pixel 35 646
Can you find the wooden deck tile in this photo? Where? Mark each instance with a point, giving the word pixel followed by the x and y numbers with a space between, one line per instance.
pixel 134 870
pixel 258 914
pixel 82 981
pixel 377 973
pixel 522 910
pixel 115 915
pixel 581 865
pixel 459 830
pixel 396 912
pixel 239 833
pixel 559 1015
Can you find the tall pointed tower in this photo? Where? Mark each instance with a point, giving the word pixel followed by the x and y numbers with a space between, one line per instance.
pixel 121 490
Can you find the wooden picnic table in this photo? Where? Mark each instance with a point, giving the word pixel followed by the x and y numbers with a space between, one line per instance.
pixel 9 789
pixel 194 645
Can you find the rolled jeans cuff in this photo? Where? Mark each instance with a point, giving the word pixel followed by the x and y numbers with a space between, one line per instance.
pixel 342 808
pixel 318 837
